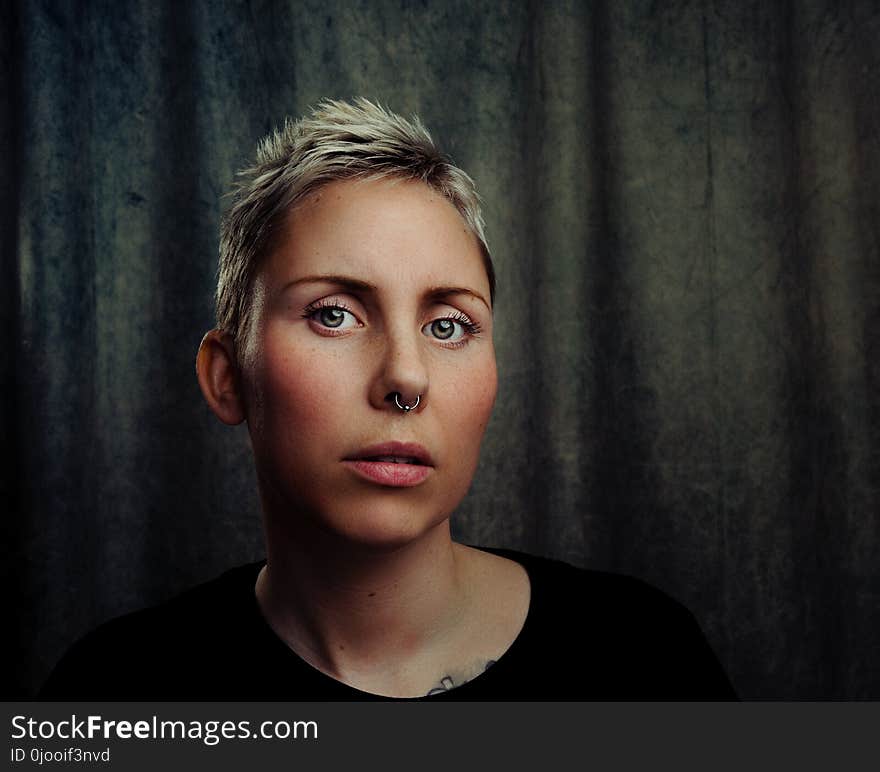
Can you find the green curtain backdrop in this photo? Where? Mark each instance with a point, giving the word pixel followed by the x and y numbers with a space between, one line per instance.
pixel 682 201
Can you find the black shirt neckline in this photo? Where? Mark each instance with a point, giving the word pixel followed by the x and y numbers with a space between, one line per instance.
pixel 327 683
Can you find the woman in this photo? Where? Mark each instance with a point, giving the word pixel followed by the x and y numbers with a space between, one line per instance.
pixel 354 337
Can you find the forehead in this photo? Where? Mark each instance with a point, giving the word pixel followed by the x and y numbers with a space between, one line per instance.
pixel 391 233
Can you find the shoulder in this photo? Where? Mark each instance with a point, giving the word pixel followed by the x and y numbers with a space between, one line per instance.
pixel 142 649
pixel 557 582
pixel 615 636
pixel 201 609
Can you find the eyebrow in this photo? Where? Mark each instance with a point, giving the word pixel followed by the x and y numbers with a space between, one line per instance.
pixel 357 285
pixel 440 293
pixel 341 281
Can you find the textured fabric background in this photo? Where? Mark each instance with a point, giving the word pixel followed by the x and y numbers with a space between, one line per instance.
pixel 682 200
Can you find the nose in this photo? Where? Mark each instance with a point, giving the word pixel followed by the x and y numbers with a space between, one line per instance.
pixel 401 384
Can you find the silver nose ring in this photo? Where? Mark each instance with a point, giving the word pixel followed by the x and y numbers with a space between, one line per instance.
pixel 403 407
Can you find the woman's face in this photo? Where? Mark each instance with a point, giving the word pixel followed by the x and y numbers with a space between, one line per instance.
pixel 374 288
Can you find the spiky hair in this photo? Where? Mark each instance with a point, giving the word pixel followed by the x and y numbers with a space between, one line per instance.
pixel 337 141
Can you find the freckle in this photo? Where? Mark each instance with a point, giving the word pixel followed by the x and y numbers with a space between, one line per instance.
pixel 371 594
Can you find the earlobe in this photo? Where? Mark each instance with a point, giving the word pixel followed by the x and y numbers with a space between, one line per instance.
pixel 218 375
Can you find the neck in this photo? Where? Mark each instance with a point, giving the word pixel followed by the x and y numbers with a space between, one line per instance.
pixel 349 608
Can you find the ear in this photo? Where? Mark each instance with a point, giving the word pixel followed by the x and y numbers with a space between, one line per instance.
pixel 218 376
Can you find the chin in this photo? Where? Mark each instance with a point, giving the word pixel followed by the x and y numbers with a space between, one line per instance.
pixel 382 530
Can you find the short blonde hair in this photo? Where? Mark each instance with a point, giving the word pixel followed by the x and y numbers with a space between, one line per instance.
pixel 339 140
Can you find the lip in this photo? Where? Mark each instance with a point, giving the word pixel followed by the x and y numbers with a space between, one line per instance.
pixel 388 473
pixel 394 448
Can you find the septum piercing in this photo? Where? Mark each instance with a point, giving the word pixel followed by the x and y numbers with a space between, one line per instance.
pixel 406 408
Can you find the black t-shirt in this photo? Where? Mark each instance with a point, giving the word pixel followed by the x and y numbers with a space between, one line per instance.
pixel 588 635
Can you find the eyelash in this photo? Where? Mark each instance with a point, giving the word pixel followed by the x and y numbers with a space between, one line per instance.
pixel 471 328
pixel 312 308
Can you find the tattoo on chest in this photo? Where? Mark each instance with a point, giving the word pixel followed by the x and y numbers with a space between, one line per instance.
pixel 448 682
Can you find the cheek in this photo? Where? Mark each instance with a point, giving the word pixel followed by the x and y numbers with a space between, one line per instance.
pixel 302 392
pixel 484 382
pixel 474 391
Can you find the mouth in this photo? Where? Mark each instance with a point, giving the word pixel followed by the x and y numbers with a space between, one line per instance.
pixel 394 453
pixel 392 464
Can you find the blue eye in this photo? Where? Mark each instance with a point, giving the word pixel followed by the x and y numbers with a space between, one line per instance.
pixel 451 330
pixel 445 329
pixel 332 316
